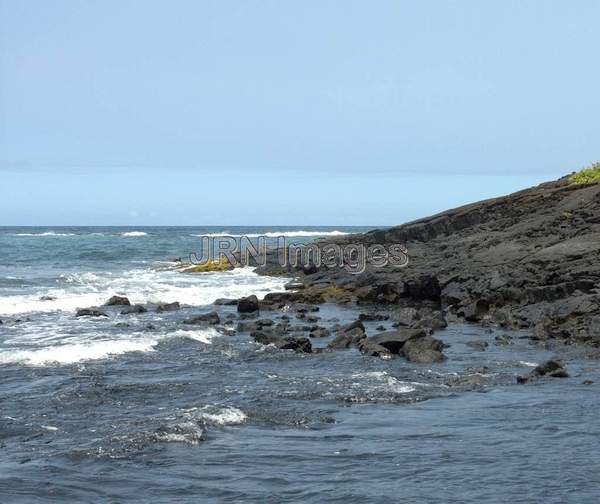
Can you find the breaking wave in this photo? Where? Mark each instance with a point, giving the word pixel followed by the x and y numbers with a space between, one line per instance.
pixel 142 286
pixel 133 234
pixel 274 234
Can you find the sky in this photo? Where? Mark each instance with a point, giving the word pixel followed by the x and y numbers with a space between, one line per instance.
pixel 302 112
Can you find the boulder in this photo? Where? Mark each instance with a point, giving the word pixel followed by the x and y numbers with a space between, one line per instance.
pixel 503 339
pixel 405 316
pixel 168 307
pixel 476 311
pixel 373 316
pixel 349 335
pixel 550 368
pixel 117 301
pixel 225 302
pixel 478 345
pixel 211 318
pixel 283 343
pixel 248 304
pixel 90 312
pixel 311 269
pixel 319 332
pixel 305 308
pixel 255 325
pixel 424 350
pixel 392 341
pixel 137 308
pixel 357 324
pixel 375 350
pixel 294 286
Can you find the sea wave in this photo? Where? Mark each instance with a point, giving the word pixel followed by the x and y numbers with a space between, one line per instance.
pixel 274 234
pixel 133 234
pixel 216 415
pixel 44 346
pixel 142 286
pixel 45 233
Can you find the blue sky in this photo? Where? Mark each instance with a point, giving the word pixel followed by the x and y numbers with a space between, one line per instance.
pixel 296 112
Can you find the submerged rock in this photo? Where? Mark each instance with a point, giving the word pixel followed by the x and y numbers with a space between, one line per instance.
pixel 168 307
pixel 248 304
pixel 225 302
pixel 414 344
pixel 117 301
pixel 424 350
pixel 319 332
pixel 137 308
pixel 211 318
pixel 550 368
pixel 90 312
pixel 349 335
pixel 503 339
pixel 373 316
pixel 479 345
pixel 294 286
pixel 392 341
pixel 300 344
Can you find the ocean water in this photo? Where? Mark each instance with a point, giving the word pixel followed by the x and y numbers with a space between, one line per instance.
pixel 93 410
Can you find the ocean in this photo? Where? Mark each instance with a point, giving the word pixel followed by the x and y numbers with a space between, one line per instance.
pixel 144 408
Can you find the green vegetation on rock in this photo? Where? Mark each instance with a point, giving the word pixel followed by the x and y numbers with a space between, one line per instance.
pixel 221 265
pixel 587 175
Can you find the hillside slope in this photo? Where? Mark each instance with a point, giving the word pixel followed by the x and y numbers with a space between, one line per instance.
pixel 527 260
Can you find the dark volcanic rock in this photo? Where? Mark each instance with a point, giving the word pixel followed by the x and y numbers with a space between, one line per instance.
pixel 479 345
pixel 168 307
pixel 373 316
pixel 503 339
pixel 349 335
pixel 294 286
pixel 305 308
pixel 549 368
pixel 283 343
pixel 90 312
pixel 117 301
pixel 424 350
pixel 248 304
pixel 137 308
pixel 476 311
pixel 225 302
pixel 319 332
pixel 211 318
pixel 392 341
pixel 517 261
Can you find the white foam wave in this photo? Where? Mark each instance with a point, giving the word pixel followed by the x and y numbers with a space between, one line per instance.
pixel 528 364
pixel 217 415
pixel 70 353
pixel 46 233
pixel 202 335
pixel 274 234
pixel 143 286
pixel 48 347
pixel 133 234
pixel 387 382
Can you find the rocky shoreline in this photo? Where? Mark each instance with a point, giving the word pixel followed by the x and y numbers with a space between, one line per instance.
pixel 527 262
